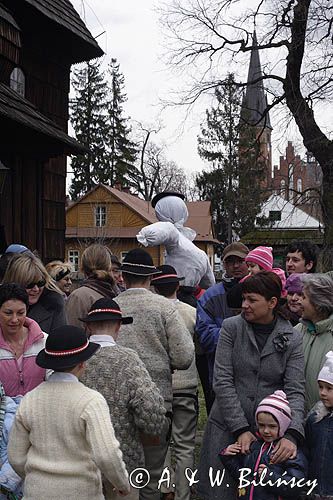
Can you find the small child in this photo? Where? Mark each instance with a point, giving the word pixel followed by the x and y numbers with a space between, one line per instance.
pixel 259 259
pixel 10 482
pixel 273 417
pixel 319 434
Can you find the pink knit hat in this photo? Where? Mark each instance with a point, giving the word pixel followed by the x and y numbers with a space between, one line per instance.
pixel 262 256
pixel 277 405
pixel 282 275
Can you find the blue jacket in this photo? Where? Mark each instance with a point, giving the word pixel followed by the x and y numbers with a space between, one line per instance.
pixel 212 309
pixel 319 440
pixel 8 477
pixel 260 454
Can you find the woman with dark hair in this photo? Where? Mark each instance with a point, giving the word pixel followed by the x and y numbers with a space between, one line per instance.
pixel 258 353
pixel 21 339
pixel 96 264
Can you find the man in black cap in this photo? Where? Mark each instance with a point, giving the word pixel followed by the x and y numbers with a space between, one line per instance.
pixel 118 373
pixel 62 436
pixel 185 387
pixel 160 338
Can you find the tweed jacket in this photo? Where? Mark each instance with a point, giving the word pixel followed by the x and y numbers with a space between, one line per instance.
pixel 243 376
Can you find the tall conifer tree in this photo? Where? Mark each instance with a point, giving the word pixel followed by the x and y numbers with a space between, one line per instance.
pixel 232 182
pixel 123 151
pixel 89 119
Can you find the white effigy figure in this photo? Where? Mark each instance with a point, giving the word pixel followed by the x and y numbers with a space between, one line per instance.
pixel 181 253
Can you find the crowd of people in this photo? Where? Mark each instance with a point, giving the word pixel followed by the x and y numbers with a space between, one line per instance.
pixel 100 383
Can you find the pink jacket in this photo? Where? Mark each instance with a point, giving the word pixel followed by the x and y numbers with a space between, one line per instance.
pixel 19 382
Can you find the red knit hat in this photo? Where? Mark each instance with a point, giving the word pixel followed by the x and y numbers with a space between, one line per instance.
pixel 262 256
pixel 277 405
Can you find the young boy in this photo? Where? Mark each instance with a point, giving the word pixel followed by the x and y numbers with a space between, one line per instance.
pixel 62 437
pixel 136 405
pixel 319 434
pixel 273 417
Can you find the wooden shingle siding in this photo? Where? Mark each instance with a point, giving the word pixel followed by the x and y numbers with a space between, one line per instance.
pixel 72 217
pixel 10 44
pixel 63 13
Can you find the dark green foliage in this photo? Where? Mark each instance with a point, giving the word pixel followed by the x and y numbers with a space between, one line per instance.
pixel 123 151
pixel 99 124
pixel 232 182
pixel 89 120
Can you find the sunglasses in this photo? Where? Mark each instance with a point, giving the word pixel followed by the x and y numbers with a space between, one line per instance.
pixel 40 284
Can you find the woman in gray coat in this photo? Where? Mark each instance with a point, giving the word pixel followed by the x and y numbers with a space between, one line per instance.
pixel 258 353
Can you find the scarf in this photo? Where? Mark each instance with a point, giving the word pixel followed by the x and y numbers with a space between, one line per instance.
pixel 105 288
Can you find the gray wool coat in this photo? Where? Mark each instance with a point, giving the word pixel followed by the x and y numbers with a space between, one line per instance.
pixel 242 378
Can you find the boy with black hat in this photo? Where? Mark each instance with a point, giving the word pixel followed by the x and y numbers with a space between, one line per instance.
pixel 185 386
pixel 162 341
pixel 118 373
pixel 62 436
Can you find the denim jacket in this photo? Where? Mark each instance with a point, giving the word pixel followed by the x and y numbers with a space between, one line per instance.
pixel 319 439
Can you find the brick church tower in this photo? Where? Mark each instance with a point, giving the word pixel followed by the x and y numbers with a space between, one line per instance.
pixel 253 113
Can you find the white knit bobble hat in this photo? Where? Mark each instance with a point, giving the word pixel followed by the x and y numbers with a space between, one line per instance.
pixel 326 373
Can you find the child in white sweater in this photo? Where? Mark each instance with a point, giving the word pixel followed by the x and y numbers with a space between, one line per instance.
pixel 62 437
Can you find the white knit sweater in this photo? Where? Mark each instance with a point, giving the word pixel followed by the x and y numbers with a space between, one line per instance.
pixel 61 439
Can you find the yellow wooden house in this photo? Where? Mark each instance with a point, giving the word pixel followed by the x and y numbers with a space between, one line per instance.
pixel 114 217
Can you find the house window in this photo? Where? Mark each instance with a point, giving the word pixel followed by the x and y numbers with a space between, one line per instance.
pixel 100 215
pixel 274 215
pixel 74 258
pixel 17 81
pixel 299 185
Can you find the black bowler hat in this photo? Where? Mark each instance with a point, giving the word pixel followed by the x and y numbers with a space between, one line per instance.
pixel 139 262
pixel 159 196
pixel 105 310
pixel 66 347
pixel 168 275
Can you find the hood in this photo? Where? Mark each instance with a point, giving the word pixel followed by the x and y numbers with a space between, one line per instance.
pixel 323 326
pixel 320 411
pixel 12 405
pixel 35 334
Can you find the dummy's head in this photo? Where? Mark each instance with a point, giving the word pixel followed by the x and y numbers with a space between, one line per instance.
pixel 170 207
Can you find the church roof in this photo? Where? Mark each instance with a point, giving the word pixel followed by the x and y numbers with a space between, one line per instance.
pixel 255 100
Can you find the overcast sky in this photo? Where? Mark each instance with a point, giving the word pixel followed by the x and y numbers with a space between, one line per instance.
pixel 133 36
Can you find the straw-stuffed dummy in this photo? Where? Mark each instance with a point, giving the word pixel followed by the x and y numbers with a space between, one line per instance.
pixel 181 253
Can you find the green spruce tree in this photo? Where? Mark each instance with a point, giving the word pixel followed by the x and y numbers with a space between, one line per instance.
pixel 89 119
pixel 232 181
pixel 123 151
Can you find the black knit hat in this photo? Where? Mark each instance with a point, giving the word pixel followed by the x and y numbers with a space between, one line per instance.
pixel 168 275
pixel 139 262
pixel 105 310
pixel 159 196
pixel 66 347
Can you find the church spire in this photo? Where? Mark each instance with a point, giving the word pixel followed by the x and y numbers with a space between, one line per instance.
pixel 255 100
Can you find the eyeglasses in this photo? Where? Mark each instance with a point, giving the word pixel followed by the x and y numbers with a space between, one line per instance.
pixel 40 284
